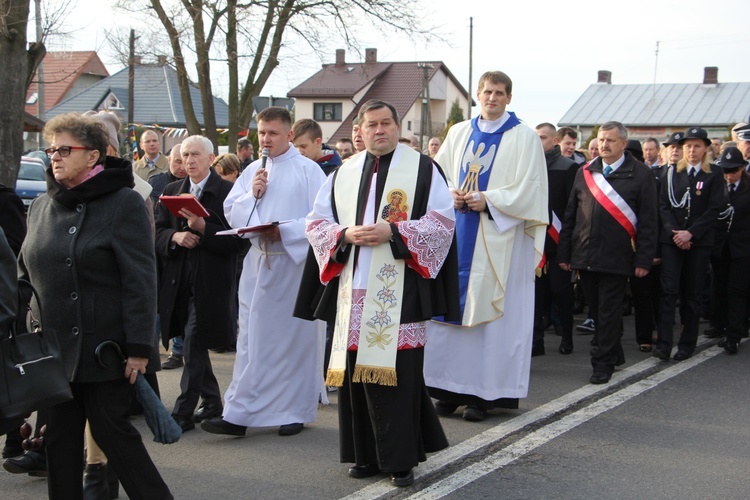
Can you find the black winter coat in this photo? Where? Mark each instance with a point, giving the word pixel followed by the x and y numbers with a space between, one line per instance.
pixel 12 218
pixel 89 254
pixel 705 205
pixel 737 235
pixel 213 262
pixel 561 174
pixel 592 240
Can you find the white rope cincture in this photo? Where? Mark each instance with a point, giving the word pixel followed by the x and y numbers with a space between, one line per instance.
pixel 685 201
pixel 728 213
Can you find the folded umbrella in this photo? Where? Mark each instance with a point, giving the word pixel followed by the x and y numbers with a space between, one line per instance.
pixel 158 419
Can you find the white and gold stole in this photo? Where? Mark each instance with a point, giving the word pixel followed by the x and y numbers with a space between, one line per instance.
pixel 381 315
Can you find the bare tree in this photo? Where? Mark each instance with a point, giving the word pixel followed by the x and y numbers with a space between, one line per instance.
pixel 192 26
pixel 19 65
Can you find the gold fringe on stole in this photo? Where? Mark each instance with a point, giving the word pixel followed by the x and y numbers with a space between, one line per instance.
pixel 375 375
pixel 335 378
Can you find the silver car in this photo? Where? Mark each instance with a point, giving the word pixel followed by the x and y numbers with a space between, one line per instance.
pixel 32 181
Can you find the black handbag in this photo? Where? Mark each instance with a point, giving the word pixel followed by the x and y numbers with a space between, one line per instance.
pixel 32 375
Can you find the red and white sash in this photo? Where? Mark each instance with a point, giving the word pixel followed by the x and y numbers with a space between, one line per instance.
pixel 612 202
pixel 554 232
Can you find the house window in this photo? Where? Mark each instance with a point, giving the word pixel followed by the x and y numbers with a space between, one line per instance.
pixel 327 112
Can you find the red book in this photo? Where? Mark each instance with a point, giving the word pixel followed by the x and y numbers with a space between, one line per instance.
pixel 188 201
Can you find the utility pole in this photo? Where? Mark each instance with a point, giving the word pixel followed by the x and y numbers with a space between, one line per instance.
pixel 131 96
pixel 40 70
pixel 426 121
pixel 471 51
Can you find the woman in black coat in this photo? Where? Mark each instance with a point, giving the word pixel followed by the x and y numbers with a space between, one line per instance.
pixel 89 253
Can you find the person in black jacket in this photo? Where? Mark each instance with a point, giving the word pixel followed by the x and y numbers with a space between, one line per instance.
pixel 12 218
pixel 608 234
pixel 554 284
pixel 197 289
pixel 8 309
pixel 733 248
pixel 175 173
pixel 690 201
pixel 647 290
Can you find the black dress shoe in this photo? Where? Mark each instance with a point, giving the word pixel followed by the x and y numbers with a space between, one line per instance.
pixel 32 463
pixel 681 356
pixel 290 429
pixel 364 471
pixel 565 347
pixel 401 479
pixel 600 378
pixel 218 425
pixel 658 353
pixel 444 408
pixel 185 423
pixel 731 346
pixel 473 414
pixel 537 350
pixel 172 362
pixel 207 410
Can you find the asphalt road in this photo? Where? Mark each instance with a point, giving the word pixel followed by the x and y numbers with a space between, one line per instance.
pixel 657 430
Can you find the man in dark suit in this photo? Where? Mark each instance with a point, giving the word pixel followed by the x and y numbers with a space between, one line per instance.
pixel 691 197
pixel 196 293
pixel 609 233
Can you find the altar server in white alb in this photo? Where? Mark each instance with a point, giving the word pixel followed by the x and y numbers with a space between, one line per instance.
pixel 277 370
pixel 497 173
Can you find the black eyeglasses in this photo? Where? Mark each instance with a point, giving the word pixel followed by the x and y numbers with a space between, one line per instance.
pixel 64 151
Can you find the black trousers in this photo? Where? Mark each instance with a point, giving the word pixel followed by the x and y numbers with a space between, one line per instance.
pixel 391 427
pixel 720 266
pixel 106 405
pixel 686 270
pixel 738 292
pixel 646 301
pixel 553 286
pixel 198 379
pixel 606 291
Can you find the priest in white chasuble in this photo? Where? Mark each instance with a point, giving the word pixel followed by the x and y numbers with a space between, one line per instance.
pixel 381 233
pixel 498 177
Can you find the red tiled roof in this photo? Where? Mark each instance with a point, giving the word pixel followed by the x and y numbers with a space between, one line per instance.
pixel 401 86
pixel 343 80
pixel 61 70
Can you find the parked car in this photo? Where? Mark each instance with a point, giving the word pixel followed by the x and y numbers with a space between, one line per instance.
pixel 39 154
pixel 32 181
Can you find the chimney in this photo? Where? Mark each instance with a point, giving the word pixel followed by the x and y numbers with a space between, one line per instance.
pixel 605 77
pixel 340 57
pixel 161 60
pixel 710 75
pixel 137 60
pixel 371 56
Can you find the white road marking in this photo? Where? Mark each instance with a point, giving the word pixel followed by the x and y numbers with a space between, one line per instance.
pixel 460 450
pixel 542 436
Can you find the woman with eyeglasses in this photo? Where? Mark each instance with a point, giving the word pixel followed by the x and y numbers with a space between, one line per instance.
pixel 90 255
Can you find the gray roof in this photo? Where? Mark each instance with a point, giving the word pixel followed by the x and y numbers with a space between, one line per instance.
pixel 665 104
pixel 157 98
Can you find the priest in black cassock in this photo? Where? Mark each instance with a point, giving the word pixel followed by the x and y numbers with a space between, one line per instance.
pixel 381 231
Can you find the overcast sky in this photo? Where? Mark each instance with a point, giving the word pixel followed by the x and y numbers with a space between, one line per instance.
pixel 551 49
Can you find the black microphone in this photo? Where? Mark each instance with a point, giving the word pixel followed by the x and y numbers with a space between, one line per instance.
pixel 263 160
